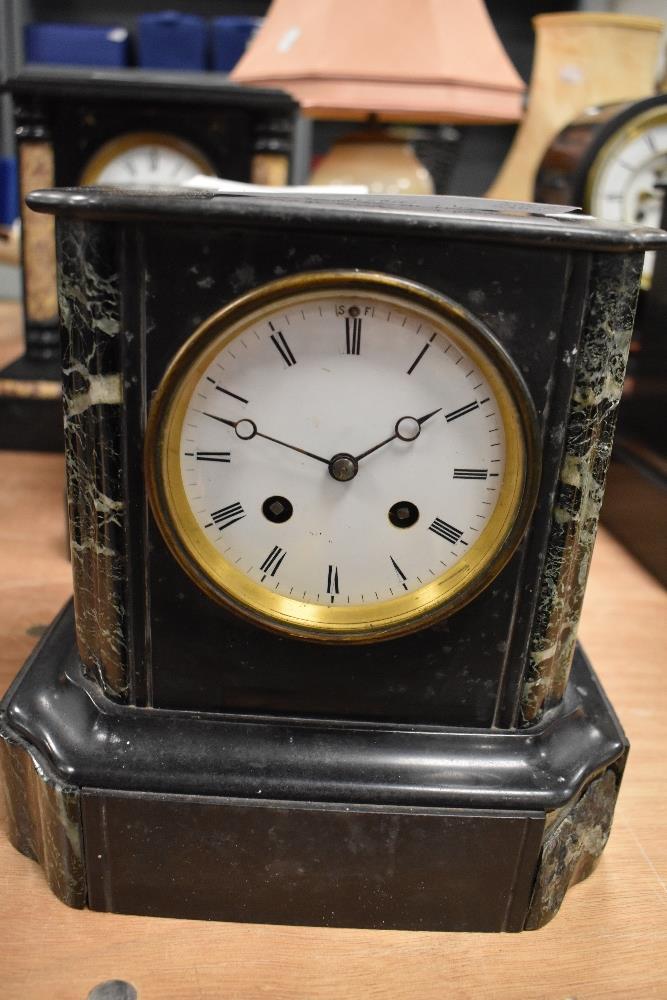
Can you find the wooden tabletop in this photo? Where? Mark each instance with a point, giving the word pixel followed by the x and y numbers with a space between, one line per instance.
pixel 609 941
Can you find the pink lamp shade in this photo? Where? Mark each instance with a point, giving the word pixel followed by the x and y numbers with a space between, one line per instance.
pixel 400 60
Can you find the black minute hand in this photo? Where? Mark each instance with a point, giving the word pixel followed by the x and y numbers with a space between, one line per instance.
pixel 247 429
pixel 418 420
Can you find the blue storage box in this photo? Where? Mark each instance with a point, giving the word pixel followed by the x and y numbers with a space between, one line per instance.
pixel 170 40
pixel 77 44
pixel 231 36
pixel 9 191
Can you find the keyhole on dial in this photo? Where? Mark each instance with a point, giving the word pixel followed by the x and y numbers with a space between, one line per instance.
pixel 403 514
pixel 277 509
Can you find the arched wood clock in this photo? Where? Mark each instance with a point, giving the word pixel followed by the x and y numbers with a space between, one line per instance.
pixel 335 467
pixel 611 162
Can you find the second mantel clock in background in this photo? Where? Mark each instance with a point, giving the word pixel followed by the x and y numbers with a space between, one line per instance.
pixel 334 468
pixel 129 127
pixel 613 162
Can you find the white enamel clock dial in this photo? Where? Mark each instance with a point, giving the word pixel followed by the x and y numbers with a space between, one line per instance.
pixel 145 159
pixel 342 462
pixel 625 176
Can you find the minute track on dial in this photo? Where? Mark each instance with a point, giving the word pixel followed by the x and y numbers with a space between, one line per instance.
pixel 389 573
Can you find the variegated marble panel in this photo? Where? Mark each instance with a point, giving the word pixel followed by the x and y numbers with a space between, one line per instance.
pixel 599 371
pixel 89 306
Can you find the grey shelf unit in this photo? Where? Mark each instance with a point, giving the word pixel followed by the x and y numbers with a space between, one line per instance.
pixel 15 14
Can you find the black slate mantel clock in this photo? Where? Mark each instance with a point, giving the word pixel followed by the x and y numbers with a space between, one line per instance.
pixel 118 127
pixel 335 469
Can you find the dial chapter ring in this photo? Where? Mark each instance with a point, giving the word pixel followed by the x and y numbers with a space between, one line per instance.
pixel 128 141
pixel 225 583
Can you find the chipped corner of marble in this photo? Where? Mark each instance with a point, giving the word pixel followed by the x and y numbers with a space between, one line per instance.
pixel 598 383
pixel 44 819
pixel 572 847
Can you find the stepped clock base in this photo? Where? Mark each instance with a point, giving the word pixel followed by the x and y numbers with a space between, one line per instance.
pixel 303 821
pixel 31 409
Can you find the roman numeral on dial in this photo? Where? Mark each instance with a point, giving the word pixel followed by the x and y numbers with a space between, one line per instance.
pixel 228 515
pixel 332 582
pixel 271 564
pixel 461 412
pixel 210 456
pixel 283 348
pixel 470 473
pixel 353 335
pixel 446 531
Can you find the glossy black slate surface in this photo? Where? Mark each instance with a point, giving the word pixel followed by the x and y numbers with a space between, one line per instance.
pixel 461 218
pixel 177 648
pixel 95 742
pixel 298 821
pixel 334 866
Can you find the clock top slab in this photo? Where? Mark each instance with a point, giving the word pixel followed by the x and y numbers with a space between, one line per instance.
pixel 144 85
pixel 438 216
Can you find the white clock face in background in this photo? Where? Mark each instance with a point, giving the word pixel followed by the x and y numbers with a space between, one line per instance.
pixel 625 182
pixel 145 159
pixel 342 453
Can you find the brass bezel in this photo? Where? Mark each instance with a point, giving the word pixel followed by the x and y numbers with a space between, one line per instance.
pixel 129 140
pixel 226 584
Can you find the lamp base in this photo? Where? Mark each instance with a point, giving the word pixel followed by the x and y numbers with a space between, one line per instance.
pixel 293 821
pixel 31 409
pixel 383 162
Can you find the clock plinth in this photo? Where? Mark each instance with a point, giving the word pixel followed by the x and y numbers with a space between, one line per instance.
pixel 297 821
